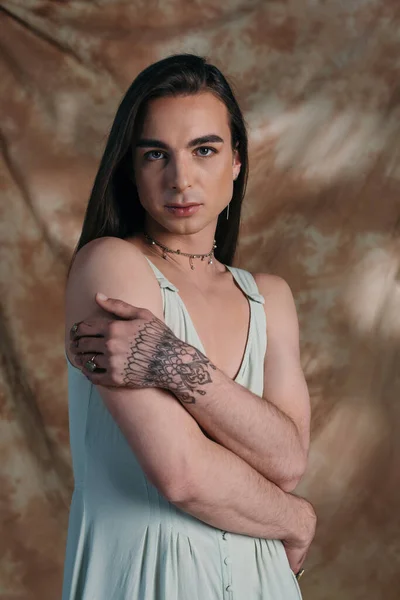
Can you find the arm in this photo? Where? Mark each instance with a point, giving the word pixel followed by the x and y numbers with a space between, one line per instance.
pixel 195 473
pixel 229 494
pixel 270 433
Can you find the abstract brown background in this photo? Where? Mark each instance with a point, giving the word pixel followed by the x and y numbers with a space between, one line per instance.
pixel 319 85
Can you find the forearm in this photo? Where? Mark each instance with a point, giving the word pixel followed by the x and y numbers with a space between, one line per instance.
pixel 246 424
pixel 229 494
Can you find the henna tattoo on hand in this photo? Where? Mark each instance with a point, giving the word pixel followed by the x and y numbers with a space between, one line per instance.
pixel 159 359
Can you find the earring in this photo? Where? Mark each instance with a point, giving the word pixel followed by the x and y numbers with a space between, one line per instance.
pixel 227 211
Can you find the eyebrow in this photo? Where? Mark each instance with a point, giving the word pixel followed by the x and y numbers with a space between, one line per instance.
pixel 204 139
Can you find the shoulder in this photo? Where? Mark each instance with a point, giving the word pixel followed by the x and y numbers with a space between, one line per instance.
pixel 280 307
pixel 116 268
pixel 106 248
pixel 112 259
pixel 273 287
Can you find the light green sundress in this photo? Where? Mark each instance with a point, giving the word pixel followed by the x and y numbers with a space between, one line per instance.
pixel 125 540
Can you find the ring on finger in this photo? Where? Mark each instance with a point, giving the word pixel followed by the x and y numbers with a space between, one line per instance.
pixel 91 365
pixel 74 328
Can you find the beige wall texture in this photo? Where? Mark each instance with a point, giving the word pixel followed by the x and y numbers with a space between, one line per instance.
pixel 319 85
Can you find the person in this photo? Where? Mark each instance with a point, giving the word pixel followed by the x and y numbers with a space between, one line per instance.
pixel 188 436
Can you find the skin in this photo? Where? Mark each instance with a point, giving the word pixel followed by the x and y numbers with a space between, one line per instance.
pixel 175 171
pixel 150 355
pixel 135 350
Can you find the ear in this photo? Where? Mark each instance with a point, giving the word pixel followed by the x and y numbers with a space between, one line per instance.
pixel 236 163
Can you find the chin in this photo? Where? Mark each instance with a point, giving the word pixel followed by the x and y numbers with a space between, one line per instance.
pixel 187 227
pixel 180 225
pixel 183 226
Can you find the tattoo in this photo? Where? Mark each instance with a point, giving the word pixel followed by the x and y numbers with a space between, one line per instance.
pixel 159 359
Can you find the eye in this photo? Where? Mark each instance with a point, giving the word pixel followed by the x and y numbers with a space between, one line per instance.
pixel 207 148
pixel 150 155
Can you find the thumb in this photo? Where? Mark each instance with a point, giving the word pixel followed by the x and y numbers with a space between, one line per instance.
pixel 117 307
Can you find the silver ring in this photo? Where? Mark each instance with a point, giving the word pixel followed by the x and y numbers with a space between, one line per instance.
pixel 91 365
pixel 74 327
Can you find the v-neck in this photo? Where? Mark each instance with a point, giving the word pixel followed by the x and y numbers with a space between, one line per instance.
pixel 199 344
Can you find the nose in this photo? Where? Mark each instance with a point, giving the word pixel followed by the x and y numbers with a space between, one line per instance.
pixel 180 175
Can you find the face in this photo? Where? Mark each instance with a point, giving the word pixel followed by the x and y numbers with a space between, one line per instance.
pixel 184 156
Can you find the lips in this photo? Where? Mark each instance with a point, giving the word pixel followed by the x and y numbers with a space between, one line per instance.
pixel 182 210
pixel 182 205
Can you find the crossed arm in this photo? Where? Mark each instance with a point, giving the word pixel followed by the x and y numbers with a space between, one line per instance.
pixel 220 483
pixel 271 433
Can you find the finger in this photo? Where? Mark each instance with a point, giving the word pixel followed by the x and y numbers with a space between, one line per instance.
pixel 92 328
pixel 74 330
pixel 117 307
pixel 299 564
pixel 88 344
pixel 98 359
pixel 98 377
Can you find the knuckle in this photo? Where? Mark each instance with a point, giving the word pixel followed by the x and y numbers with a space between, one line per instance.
pixel 110 344
pixel 145 314
pixel 114 328
pixel 118 303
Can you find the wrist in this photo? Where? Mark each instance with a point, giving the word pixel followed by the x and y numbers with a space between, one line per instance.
pixel 189 371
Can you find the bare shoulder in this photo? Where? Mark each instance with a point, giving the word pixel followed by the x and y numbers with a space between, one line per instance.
pixel 273 287
pixel 116 268
pixel 280 307
pixel 113 261
pixel 105 250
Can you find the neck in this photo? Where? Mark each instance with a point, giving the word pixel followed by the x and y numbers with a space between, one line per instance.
pixel 193 244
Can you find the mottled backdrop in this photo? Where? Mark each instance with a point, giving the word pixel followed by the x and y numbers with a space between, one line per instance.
pixel 319 84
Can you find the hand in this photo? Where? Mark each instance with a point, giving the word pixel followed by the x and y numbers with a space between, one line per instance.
pixel 297 548
pixel 108 340
pixel 136 349
pixel 296 555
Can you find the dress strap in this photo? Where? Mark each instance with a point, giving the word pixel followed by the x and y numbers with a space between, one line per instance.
pixel 162 280
pixel 247 283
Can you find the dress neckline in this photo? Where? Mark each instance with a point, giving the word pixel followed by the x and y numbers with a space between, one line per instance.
pixel 199 344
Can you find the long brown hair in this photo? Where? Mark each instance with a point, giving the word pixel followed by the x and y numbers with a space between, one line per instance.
pixel 114 208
